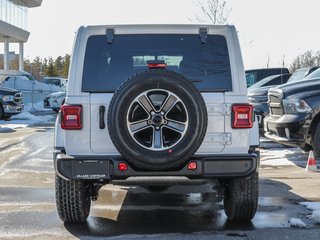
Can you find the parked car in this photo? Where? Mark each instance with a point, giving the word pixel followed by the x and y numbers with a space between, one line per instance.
pixel 7 73
pixel 255 75
pixel 273 80
pixel 11 102
pixel 301 74
pixel 54 101
pixel 60 82
pixel 314 74
pixel 258 96
pixel 176 118
pixel 294 118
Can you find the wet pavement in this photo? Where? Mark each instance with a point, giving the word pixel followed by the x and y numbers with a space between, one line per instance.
pixel 27 202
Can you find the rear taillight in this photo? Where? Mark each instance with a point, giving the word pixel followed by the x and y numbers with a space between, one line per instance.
pixel 71 117
pixel 242 116
pixel 156 64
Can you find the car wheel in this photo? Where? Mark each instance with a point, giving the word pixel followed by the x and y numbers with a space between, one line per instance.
pixel 316 140
pixel 73 200
pixel 241 198
pixel 157 120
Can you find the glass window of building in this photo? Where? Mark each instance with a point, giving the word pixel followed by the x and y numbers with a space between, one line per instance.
pixel 14 12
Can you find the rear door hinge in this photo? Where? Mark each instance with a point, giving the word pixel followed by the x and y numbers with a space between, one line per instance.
pixel 227 138
pixel 227 108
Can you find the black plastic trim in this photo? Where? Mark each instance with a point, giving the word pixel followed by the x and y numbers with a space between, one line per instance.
pixel 102 111
pixel 203 34
pixel 110 35
pixel 208 166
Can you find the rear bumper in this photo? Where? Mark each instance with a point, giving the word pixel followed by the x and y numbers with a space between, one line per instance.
pixel 106 168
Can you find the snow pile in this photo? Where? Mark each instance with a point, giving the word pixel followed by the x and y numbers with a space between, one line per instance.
pixel 36 107
pixel 315 207
pixel 27 118
pixel 296 222
pixel 283 157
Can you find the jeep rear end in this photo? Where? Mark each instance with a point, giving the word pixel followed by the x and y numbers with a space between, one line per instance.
pixel 150 101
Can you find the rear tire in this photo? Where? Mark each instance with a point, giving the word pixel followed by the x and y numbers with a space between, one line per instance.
pixel 241 198
pixel 73 200
pixel 155 146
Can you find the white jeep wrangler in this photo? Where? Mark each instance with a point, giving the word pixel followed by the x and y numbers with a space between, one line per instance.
pixel 156 105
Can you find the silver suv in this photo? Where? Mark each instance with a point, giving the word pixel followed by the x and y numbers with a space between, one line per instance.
pixel 156 105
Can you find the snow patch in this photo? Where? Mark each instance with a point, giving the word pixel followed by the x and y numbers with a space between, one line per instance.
pixel 296 222
pixel 9 127
pixel 283 157
pixel 315 208
pixel 315 216
pixel 36 107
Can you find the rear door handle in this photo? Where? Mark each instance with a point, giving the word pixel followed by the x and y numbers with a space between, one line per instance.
pixel 102 124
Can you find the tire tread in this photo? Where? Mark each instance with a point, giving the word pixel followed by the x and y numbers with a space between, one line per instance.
pixel 241 198
pixel 73 202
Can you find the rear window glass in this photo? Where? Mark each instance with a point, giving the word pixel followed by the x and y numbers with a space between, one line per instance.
pixel 106 65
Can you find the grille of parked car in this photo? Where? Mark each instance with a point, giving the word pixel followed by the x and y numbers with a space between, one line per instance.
pixel 18 98
pixel 275 103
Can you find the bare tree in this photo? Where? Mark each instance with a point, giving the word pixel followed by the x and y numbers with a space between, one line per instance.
pixel 268 60
pixel 307 59
pixel 213 11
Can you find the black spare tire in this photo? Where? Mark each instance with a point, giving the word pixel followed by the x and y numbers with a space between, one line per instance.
pixel 157 120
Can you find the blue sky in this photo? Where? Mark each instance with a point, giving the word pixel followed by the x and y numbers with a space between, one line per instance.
pixel 274 28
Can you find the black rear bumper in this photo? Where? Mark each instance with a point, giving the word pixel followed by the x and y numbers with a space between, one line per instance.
pixel 106 168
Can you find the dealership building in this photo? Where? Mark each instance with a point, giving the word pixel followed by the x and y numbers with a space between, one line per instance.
pixel 13 26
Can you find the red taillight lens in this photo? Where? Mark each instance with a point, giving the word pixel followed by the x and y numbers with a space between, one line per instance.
pixel 122 167
pixel 157 65
pixel 71 117
pixel 192 165
pixel 242 116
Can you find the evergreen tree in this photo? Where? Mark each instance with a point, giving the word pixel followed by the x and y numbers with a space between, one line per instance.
pixel 58 65
pixel 36 67
pixel 66 64
pixel 51 70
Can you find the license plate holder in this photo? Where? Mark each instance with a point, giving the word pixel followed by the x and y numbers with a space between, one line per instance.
pixel 91 169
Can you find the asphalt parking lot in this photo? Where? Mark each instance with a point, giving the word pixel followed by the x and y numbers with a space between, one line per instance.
pixel 27 200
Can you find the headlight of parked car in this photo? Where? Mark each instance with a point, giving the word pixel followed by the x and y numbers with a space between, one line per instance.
pixel 7 98
pixel 294 106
